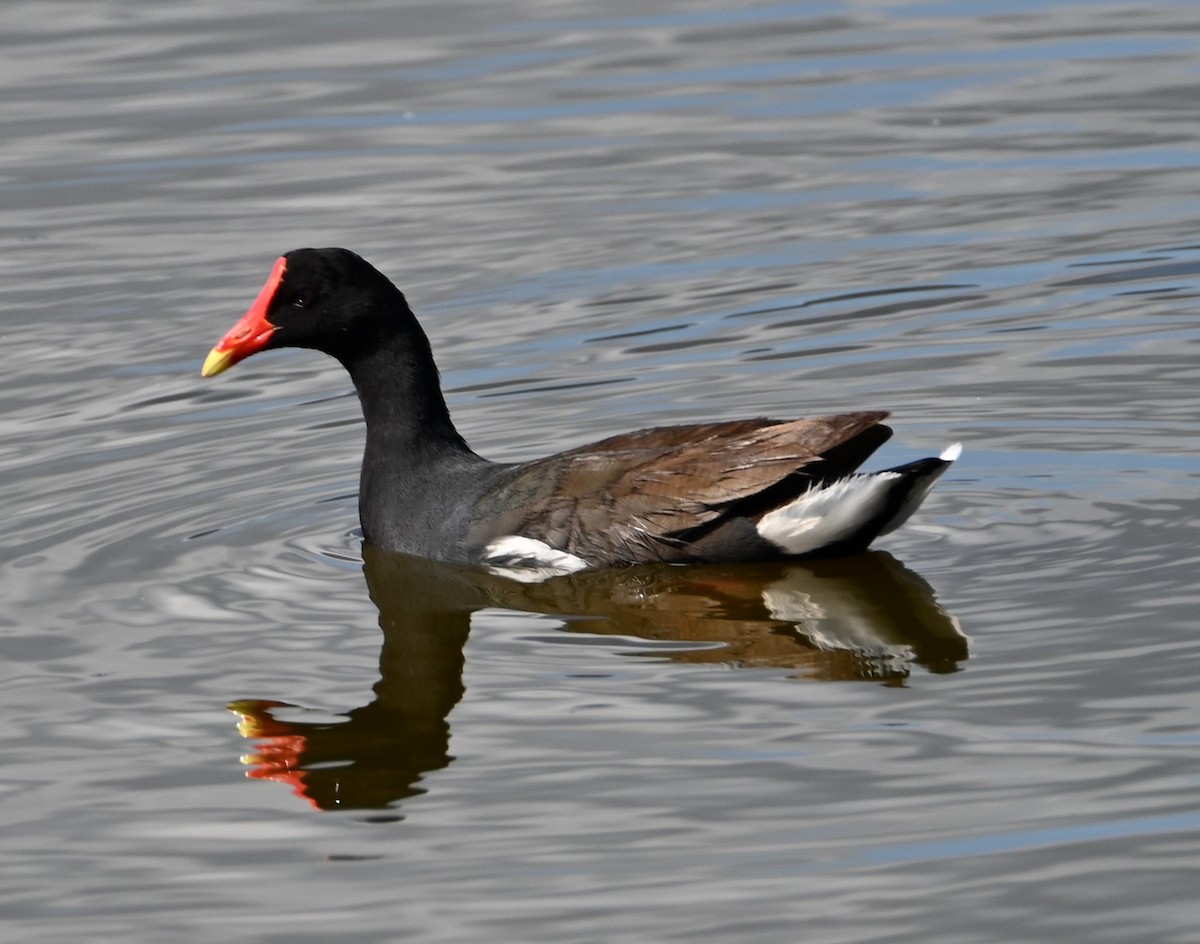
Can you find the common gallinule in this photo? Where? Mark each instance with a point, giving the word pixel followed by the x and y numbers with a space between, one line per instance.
pixel 740 490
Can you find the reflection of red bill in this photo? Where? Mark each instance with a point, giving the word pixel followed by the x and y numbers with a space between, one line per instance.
pixel 278 754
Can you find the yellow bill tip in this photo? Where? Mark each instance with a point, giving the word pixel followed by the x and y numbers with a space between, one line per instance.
pixel 216 362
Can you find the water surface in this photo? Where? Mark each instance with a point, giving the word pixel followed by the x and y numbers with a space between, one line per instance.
pixel 607 217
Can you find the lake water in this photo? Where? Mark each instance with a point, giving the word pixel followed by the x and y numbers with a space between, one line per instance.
pixel 985 218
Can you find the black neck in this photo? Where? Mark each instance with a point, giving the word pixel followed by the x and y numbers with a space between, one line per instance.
pixel 398 386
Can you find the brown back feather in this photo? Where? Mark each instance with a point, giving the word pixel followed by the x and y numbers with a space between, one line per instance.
pixel 638 492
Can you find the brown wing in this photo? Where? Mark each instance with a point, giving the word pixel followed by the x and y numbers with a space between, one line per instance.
pixel 630 497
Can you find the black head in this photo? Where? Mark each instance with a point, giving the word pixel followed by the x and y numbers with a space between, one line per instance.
pixel 331 300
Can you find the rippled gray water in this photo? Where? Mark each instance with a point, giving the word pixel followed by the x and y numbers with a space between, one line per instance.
pixel 608 216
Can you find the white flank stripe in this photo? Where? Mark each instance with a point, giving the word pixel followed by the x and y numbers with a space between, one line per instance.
pixel 527 559
pixel 826 515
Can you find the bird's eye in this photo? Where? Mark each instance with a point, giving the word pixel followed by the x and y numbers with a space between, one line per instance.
pixel 302 299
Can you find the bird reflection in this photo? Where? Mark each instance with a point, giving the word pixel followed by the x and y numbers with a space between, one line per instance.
pixel 864 617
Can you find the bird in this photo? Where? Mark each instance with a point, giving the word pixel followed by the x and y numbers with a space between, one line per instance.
pixel 710 492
